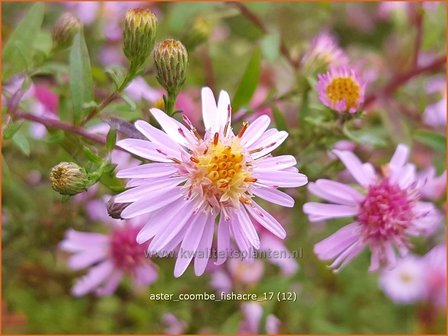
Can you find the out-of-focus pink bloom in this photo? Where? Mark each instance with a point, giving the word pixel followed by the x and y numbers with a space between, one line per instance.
pixel 258 98
pixel 435 115
pixel 277 253
pixel 174 326
pixel 112 11
pixel 433 186
pixel 386 9
pixel 341 89
pixel 324 50
pixel 404 283
pixel 435 275
pixel 251 324
pixel 139 89
pixel 387 211
pixel 108 257
pixel 359 17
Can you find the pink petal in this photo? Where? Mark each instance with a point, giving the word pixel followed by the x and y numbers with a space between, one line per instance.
pixel 274 196
pixel 189 245
pixel 266 220
pixel 255 130
pixel 110 284
pixel 151 203
pixel 281 179
pixel 327 211
pixel 157 136
pixel 223 240
pixel 146 150
pixel 335 192
pixel 269 144
pixel 339 241
pixel 93 279
pixel 247 227
pixel 209 110
pixel 355 167
pixel 145 275
pixel 223 109
pixel 201 260
pixel 148 170
pixel 88 257
pixel 175 130
pixel 275 163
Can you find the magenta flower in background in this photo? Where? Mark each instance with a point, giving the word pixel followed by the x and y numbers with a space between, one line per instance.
pixel 109 257
pixel 324 49
pixel 198 180
pixel 341 89
pixel 387 211
pixel 404 283
pixel 251 324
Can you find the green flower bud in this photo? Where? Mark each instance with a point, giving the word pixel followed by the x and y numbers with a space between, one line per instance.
pixel 115 209
pixel 140 28
pixel 171 60
pixel 67 178
pixel 199 33
pixel 64 30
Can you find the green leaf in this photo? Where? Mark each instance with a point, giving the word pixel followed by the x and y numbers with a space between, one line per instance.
pixel 111 139
pixel 434 140
pixel 270 46
pixel 81 83
pixel 19 49
pixel 279 119
pixel 248 82
pixel 11 129
pixel 22 143
pixel 91 156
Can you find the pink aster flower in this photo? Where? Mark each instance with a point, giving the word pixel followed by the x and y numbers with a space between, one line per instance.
pixel 197 181
pixel 341 89
pixel 435 275
pixel 404 283
pixel 386 208
pixel 109 257
pixel 253 313
pixel 324 49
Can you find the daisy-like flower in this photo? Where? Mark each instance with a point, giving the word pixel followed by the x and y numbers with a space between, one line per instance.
pixel 197 181
pixel 109 257
pixel 341 89
pixel 404 283
pixel 386 208
pixel 325 50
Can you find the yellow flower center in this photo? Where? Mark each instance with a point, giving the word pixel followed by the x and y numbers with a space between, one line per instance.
pixel 224 166
pixel 344 88
pixel 405 277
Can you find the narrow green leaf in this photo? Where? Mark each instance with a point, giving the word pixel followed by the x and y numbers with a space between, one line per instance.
pixel 111 139
pixel 248 82
pixel 91 156
pixel 270 46
pixel 434 140
pixel 279 119
pixel 11 129
pixel 81 83
pixel 19 49
pixel 22 143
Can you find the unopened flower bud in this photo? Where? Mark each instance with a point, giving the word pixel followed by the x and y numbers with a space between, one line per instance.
pixel 198 34
pixel 171 60
pixel 115 209
pixel 140 28
pixel 67 178
pixel 64 30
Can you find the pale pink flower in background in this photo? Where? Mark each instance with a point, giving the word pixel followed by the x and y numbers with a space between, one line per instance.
pixel 433 186
pixel 251 324
pixel 174 326
pixel 341 89
pixel 435 115
pixel 435 276
pixel 236 271
pixel 324 49
pixel 139 90
pixel 198 180
pixel 387 211
pixel 404 283
pixel 109 257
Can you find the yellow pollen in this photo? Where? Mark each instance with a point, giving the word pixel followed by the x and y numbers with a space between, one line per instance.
pixel 225 167
pixel 344 88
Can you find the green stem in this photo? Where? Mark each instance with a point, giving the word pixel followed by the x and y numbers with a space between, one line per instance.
pixel 170 101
